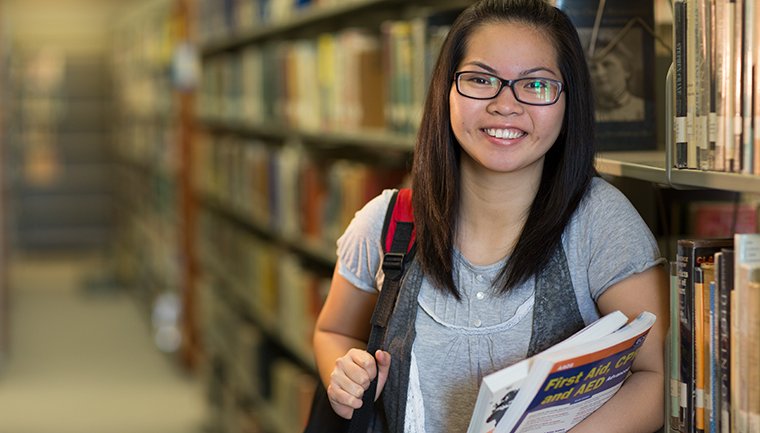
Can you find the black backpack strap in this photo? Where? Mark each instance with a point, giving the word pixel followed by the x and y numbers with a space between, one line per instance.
pixel 398 244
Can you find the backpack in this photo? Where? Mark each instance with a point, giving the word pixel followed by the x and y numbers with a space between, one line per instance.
pixel 398 238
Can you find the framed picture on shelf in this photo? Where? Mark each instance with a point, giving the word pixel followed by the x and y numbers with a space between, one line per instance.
pixel 621 57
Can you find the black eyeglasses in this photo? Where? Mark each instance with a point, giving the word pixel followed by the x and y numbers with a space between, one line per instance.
pixel 531 91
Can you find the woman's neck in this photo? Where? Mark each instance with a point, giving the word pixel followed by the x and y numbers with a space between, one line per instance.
pixel 492 211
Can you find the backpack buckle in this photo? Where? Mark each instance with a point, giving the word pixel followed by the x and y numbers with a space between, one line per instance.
pixel 393 265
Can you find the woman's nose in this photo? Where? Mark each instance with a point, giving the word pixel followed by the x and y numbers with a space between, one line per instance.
pixel 505 103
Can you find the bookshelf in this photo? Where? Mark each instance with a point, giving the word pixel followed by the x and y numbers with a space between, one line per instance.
pixel 5 319
pixel 154 123
pixel 265 154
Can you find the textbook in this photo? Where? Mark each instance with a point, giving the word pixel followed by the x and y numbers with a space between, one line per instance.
pixel 559 387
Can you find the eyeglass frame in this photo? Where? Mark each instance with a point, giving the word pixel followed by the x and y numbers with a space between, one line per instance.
pixel 510 84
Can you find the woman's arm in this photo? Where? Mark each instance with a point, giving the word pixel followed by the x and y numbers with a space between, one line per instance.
pixel 340 341
pixel 639 405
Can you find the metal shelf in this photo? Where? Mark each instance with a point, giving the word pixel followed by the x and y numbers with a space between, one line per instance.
pixel 651 167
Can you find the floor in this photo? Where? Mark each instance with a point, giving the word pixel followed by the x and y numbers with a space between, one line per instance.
pixel 83 361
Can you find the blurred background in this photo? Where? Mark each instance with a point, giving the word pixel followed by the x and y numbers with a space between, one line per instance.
pixel 174 175
pixel 77 353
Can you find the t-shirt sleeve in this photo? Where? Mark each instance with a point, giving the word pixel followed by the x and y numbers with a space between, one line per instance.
pixel 620 243
pixel 359 248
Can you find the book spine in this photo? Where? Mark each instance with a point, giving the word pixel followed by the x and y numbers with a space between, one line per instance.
pixel 747 252
pixel 753 346
pixel 712 85
pixel 699 351
pixel 708 271
pixel 721 47
pixel 713 360
pixel 693 132
pixel 726 281
pixel 702 84
pixel 747 84
pixel 690 255
pixel 738 88
pixel 756 92
pixel 674 348
pixel 681 83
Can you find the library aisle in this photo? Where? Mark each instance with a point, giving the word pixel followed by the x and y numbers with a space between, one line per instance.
pixel 82 359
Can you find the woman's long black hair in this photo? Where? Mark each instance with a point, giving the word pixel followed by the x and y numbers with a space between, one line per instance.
pixel 568 165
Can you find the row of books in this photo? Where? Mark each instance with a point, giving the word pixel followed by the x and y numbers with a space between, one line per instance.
pixel 287 189
pixel 717 46
pixel 147 227
pixel 270 284
pixel 142 53
pixel 252 385
pixel 715 335
pixel 219 20
pixel 149 144
pixel 354 79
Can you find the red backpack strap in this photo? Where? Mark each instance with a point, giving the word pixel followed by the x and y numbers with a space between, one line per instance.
pixel 398 243
pixel 400 219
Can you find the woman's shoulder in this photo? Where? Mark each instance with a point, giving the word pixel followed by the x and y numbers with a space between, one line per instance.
pixel 603 194
pixel 369 220
pixel 604 202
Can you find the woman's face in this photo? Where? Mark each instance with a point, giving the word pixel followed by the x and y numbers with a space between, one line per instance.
pixel 501 134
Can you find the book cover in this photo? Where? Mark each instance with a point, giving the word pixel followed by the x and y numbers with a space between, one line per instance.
pixel 499 389
pixel 691 253
pixel 564 387
pixel 621 57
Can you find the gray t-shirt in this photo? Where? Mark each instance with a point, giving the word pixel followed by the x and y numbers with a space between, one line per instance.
pixel 460 342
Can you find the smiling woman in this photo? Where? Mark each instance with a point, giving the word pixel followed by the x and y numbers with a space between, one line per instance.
pixel 518 244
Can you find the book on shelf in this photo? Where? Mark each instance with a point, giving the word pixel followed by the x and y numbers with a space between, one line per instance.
pixel 711 344
pixel 746 258
pixel 621 55
pixel 724 275
pixel 559 387
pixel 719 219
pixel 674 404
pixel 691 253
pixel 681 79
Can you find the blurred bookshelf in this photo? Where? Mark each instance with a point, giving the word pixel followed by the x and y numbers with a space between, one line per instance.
pixel 154 122
pixel 5 318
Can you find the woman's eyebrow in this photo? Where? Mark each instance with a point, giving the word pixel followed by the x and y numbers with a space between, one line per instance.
pixel 522 74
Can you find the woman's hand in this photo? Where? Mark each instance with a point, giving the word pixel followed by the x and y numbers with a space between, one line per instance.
pixel 351 377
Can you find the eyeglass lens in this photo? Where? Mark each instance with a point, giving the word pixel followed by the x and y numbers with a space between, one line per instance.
pixel 538 91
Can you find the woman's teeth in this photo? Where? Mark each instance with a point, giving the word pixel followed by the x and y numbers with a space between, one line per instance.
pixel 504 133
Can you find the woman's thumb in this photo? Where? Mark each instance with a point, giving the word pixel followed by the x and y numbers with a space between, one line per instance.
pixel 383 365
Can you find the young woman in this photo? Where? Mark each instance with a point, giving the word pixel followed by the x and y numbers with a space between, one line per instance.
pixel 518 243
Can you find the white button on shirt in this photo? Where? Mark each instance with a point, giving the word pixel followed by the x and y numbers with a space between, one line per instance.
pixel 480 295
pixel 479 278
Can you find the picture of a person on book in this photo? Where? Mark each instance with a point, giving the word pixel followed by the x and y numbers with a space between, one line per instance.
pixel 519 243
pixel 613 74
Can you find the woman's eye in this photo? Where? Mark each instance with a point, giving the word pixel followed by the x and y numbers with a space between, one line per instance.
pixel 480 80
pixel 536 84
